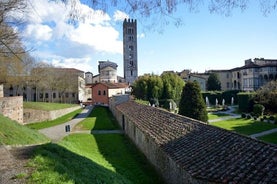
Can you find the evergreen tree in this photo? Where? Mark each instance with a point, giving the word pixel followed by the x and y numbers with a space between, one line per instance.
pixel 192 103
pixel 213 83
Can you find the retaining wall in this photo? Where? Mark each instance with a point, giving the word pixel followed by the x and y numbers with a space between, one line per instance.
pixel 12 107
pixel 32 115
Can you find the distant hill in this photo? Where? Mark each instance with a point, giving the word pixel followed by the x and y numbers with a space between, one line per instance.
pixel 12 133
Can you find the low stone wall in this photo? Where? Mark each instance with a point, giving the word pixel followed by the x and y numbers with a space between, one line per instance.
pixel 33 116
pixel 12 107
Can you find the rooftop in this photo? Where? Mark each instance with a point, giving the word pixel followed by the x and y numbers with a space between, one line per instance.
pixel 206 152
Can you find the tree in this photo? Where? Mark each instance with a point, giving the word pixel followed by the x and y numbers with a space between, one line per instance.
pixel 163 11
pixel 192 103
pixel 267 96
pixel 172 86
pixel 140 87
pixel 213 83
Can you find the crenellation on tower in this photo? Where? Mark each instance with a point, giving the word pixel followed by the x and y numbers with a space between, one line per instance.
pixel 130 63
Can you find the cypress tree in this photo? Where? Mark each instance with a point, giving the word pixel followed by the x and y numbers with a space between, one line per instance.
pixel 192 103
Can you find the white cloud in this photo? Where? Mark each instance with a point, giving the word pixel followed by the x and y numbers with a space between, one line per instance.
pixel 80 63
pixel 120 16
pixel 142 35
pixel 49 31
pixel 102 38
pixel 38 32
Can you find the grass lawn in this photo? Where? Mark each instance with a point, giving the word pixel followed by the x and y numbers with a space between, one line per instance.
pixel 244 126
pixel 46 106
pixel 100 119
pixel 216 115
pixel 85 158
pixel 12 133
pixel 60 120
pixel 270 138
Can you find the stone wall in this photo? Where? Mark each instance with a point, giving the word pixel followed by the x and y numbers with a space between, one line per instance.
pixel 167 168
pixel 32 115
pixel 184 150
pixel 12 107
pixel 1 90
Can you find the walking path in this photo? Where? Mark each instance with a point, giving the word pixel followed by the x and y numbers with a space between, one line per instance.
pixel 233 115
pixel 229 112
pixel 56 133
pixel 264 133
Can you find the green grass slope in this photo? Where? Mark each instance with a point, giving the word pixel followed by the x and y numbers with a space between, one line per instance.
pixel 85 158
pixel 46 106
pixel 12 133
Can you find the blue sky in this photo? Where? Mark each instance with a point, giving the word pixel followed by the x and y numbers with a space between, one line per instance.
pixel 205 41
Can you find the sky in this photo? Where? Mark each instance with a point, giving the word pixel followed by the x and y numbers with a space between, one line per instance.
pixel 203 42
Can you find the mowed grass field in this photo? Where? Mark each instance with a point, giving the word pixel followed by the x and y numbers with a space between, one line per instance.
pixel 47 106
pixel 87 158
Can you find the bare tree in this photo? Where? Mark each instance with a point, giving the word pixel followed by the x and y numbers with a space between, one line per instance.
pixel 162 11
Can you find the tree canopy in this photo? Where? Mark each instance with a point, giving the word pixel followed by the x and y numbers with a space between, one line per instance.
pixel 172 86
pixel 213 82
pixel 166 86
pixel 192 103
pixel 267 96
pixel 164 11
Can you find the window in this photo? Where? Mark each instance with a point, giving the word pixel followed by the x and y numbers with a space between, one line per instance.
pixel 131 47
pixel 228 85
pixel 73 95
pixel 104 92
pixel 227 75
pixel 131 72
pixel 66 95
pixel 131 38
pixel 99 92
pixel 131 62
pixel 54 95
pixel 46 95
pixel 130 31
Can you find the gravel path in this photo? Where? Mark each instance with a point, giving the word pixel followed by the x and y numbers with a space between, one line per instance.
pixel 56 133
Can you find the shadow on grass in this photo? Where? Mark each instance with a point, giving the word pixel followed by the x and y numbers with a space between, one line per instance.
pixel 249 127
pixel 104 119
pixel 55 164
pixel 123 155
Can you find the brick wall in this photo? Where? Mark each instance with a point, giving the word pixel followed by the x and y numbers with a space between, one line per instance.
pixel 12 107
pixel 32 115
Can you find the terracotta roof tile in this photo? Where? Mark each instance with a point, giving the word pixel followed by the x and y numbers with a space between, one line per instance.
pixel 204 151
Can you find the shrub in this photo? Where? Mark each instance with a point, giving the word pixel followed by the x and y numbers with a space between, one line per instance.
pixel 243 115
pixel 271 118
pixel 245 101
pixel 255 117
pixel 248 116
pixel 258 109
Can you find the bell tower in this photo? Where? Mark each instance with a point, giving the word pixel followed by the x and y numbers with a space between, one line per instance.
pixel 130 61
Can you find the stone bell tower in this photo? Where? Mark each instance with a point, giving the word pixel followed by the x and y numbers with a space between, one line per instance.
pixel 130 57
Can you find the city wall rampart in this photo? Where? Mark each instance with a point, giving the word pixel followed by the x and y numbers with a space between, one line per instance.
pixel 12 107
pixel 32 115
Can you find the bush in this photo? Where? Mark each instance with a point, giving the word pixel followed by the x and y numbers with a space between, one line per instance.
pixel 243 115
pixel 248 116
pixel 271 118
pixel 258 109
pixel 245 100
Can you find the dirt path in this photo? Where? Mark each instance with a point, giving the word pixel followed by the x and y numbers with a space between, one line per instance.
pixel 13 162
